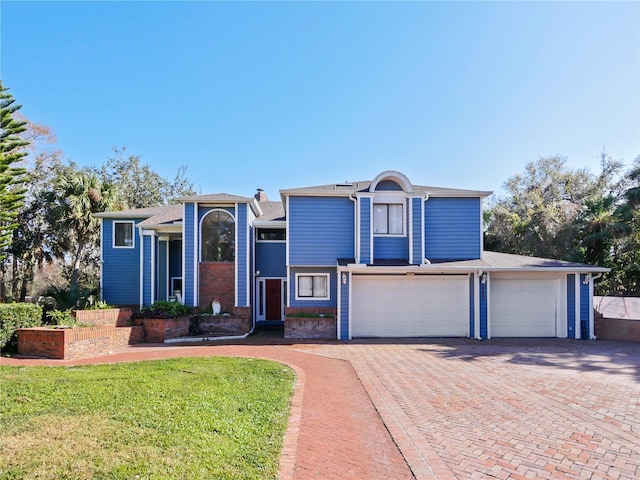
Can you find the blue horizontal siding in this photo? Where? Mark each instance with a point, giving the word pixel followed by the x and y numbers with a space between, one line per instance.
pixel 320 230
pixel 120 268
pixel 391 247
pixel 146 269
pixel 333 288
pixel 452 228
pixel 365 230
pixel 242 258
pixel 344 311
pixel 271 259
pixel 584 308
pixel 416 225
pixel 188 247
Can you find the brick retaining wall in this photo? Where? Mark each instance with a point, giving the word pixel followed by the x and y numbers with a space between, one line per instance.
pixel 157 330
pixel 72 343
pixel 617 329
pixel 315 327
pixel 109 317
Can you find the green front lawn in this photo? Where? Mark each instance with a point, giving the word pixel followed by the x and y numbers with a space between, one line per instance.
pixel 195 418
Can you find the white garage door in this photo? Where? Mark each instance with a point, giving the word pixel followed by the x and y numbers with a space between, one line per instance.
pixel 409 306
pixel 523 307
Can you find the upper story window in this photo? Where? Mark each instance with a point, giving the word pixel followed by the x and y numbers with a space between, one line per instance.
pixel 388 219
pixel 271 234
pixel 218 237
pixel 123 234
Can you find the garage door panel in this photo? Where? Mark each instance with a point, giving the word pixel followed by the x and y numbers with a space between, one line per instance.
pixel 394 306
pixel 523 307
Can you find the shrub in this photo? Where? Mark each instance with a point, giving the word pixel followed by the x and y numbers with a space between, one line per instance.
pixel 62 317
pixel 163 309
pixel 14 316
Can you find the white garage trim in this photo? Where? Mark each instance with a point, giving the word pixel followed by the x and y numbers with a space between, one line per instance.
pixel 409 305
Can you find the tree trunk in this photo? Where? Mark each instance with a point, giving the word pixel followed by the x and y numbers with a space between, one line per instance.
pixel 76 269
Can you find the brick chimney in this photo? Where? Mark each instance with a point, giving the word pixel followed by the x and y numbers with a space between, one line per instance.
pixel 261 196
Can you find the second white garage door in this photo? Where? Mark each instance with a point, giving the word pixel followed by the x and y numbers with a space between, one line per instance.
pixel 410 306
pixel 524 307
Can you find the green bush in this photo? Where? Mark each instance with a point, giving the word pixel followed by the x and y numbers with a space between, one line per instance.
pixel 62 317
pixel 163 309
pixel 14 316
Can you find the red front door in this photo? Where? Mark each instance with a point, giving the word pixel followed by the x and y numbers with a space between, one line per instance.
pixel 274 299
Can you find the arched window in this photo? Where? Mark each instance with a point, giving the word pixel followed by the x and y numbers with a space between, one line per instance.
pixel 218 237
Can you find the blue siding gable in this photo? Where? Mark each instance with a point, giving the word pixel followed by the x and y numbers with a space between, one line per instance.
pixel 320 230
pixel 453 228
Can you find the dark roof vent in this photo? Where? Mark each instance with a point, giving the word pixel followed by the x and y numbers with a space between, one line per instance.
pixel 344 184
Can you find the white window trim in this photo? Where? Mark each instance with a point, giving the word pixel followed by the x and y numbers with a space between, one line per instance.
pixel 404 219
pixel 133 234
pixel 312 299
pixel 235 230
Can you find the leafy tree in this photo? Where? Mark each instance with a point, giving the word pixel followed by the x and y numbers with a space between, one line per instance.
pixel 139 185
pixel 12 176
pixel 76 197
pixel 539 212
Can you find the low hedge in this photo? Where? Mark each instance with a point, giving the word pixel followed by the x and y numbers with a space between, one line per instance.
pixel 14 316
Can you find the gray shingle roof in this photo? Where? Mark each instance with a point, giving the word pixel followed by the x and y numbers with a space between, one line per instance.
pixel 363 186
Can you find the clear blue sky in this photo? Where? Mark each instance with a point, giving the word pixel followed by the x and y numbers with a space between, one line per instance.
pixel 291 94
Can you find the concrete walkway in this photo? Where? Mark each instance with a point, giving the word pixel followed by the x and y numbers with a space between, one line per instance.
pixel 449 408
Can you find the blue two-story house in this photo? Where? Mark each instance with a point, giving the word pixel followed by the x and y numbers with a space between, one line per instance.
pixel 381 258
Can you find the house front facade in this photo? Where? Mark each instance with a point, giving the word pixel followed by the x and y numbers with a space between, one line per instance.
pixel 375 258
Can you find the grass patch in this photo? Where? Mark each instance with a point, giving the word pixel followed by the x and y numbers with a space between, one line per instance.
pixel 196 418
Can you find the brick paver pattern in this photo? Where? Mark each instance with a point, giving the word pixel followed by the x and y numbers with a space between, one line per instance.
pixel 449 408
pixel 507 409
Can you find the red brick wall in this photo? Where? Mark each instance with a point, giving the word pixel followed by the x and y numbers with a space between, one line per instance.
pixel 110 317
pixel 74 343
pixel 157 330
pixel 218 280
pixel 298 327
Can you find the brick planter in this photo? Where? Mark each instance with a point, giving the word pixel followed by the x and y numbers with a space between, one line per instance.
pixel 223 324
pixel 314 327
pixel 157 330
pixel 72 343
pixel 109 317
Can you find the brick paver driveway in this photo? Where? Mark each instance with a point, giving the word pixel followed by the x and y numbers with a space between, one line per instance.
pixel 508 409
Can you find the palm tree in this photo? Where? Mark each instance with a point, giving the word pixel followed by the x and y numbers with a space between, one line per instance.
pixel 78 195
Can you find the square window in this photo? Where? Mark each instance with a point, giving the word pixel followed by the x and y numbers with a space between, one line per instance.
pixel 388 219
pixel 123 235
pixel 312 286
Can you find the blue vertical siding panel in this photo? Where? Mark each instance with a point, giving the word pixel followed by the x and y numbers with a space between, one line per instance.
pixel 189 248
pixel 571 305
pixel 344 310
pixel 271 259
pixel 472 306
pixel 484 324
pixel 416 225
pixel 121 268
pixel 146 269
pixel 365 230
pixel 390 248
pixel 452 228
pixel 243 256
pixel 320 230
pixel 333 288
pixel 162 274
pixel 584 309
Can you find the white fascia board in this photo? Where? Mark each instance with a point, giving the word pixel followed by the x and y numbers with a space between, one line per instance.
pixel 460 194
pixel 436 268
pixel 175 228
pixel 270 224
